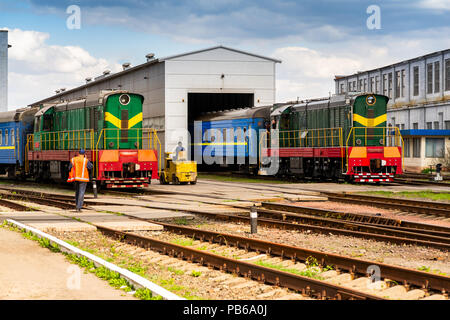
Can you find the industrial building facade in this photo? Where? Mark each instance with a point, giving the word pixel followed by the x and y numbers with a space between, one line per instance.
pixel 178 88
pixel 419 92
pixel 3 70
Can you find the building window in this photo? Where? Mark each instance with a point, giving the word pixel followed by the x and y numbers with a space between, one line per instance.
pixel 430 78
pixel 402 126
pixel 406 148
pixel 360 85
pixel 397 84
pixel 416 81
pixel 403 83
pixel 429 125
pixel 415 126
pixel 342 88
pixel 434 148
pixel 365 85
pixel 436 125
pixel 390 85
pixel 354 85
pixel 416 147
pixel 447 75
pixel 437 75
pixel 372 84
pixel 377 84
pixel 385 87
pixel 447 126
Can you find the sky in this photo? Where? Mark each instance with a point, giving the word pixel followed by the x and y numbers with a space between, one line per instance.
pixel 315 40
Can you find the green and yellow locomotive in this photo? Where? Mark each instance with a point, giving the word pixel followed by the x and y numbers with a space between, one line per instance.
pixel 331 137
pixel 108 125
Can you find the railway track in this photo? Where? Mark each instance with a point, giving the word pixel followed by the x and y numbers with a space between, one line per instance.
pixel 437 238
pixel 307 286
pixel 337 277
pixel 370 219
pixel 351 272
pixel 58 201
pixel 285 221
pixel 423 207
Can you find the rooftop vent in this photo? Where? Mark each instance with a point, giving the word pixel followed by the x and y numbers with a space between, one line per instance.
pixel 150 56
pixel 126 65
pixel 106 72
pixel 63 89
pixel 57 91
pixel 88 80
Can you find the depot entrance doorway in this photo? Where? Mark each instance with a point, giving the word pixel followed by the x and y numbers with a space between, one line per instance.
pixel 199 103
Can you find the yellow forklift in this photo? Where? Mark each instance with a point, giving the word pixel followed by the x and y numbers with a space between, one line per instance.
pixel 179 171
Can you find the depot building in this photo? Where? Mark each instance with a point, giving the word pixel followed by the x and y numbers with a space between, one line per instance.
pixel 179 88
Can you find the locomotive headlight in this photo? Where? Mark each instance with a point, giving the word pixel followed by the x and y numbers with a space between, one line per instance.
pixel 358 142
pixel 124 99
pixel 383 163
pixel 111 144
pixel 371 100
pixel 381 141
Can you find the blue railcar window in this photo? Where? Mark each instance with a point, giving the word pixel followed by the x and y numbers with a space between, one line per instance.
pixel 13 137
pixel 1 137
pixel 6 137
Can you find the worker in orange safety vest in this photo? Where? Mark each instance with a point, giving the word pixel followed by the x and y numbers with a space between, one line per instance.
pixel 78 173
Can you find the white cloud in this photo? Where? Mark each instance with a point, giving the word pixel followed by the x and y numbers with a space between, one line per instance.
pixel 435 4
pixel 36 68
pixel 309 73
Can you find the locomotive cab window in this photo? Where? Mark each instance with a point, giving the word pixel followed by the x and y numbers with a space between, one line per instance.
pixel 48 123
pixel 37 121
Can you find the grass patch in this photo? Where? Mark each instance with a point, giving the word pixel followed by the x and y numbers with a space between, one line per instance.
pixel 183 242
pixel 428 269
pixel 196 273
pixel 176 271
pixel 181 221
pixel 145 294
pixel 425 194
pixel 310 272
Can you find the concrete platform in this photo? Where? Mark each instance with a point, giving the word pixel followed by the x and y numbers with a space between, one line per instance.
pixel 145 213
pixel 47 221
pixel 111 220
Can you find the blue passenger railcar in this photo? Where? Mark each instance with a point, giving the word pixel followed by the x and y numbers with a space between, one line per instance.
pixel 14 128
pixel 230 138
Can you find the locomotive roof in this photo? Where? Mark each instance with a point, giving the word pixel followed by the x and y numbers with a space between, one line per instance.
pixel 254 112
pixel 90 100
pixel 22 114
pixel 333 101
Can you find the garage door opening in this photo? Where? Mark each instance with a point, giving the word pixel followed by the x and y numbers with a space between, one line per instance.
pixel 199 103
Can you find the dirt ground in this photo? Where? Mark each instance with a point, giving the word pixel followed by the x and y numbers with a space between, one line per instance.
pixel 30 272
